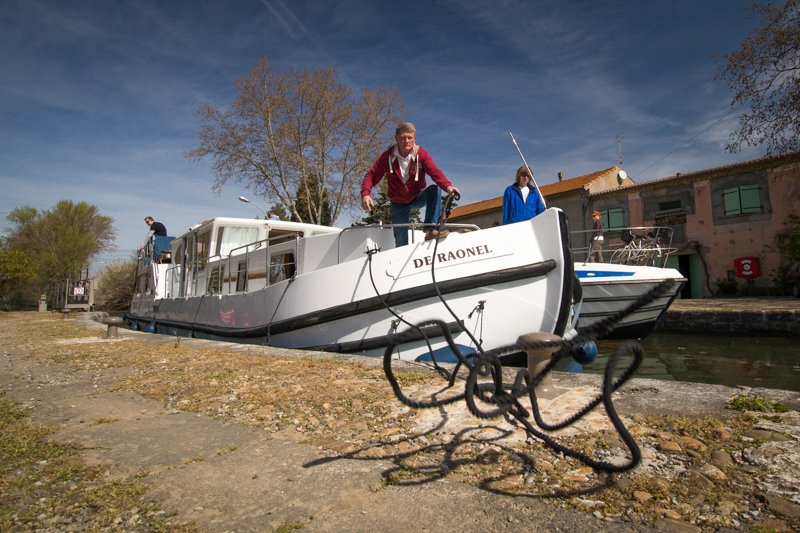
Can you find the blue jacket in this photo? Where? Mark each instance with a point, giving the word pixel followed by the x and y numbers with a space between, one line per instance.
pixel 514 210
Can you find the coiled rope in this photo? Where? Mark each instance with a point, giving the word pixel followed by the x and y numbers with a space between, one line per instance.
pixel 484 379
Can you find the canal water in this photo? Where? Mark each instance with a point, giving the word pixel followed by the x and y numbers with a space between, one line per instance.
pixel 723 360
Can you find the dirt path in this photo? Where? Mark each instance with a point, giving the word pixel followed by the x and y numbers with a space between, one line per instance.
pixel 237 438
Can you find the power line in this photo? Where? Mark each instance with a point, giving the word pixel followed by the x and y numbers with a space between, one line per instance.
pixel 684 143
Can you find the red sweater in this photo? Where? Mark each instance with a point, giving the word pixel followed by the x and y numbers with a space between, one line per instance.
pixel 401 192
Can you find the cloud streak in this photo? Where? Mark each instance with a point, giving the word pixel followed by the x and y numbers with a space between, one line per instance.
pixel 99 98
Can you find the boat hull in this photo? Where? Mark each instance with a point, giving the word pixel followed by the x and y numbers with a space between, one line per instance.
pixel 610 288
pixel 482 285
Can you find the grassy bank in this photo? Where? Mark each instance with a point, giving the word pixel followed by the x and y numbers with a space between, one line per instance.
pixel 45 485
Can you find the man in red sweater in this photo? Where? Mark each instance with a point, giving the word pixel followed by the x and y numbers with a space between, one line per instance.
pixel 405 165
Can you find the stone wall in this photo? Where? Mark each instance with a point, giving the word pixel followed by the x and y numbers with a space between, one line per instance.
pixel 743 322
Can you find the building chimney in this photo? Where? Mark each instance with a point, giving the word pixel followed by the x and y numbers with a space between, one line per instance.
pixel 560 176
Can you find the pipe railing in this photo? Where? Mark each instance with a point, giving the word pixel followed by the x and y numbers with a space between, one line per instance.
pixel 645 245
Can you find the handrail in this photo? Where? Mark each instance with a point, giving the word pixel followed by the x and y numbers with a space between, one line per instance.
pixel 168 274
pixel 223 264
pixel 645 245
pixel 411 225
pixel 266 244
pixel 255 245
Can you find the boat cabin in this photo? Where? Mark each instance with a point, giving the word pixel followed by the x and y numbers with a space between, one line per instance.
pixel 225 256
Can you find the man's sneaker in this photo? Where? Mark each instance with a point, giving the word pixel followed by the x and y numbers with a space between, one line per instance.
pixel 436 234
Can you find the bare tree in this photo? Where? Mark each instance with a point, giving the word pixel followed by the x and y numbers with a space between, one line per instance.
pixel 765 73
pixel 286 129
pixel 115 286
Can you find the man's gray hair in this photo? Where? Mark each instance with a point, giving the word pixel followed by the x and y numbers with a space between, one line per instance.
pixel 404 127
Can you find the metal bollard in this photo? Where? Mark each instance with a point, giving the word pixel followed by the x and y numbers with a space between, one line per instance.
pixel 538 359
pixel 113 322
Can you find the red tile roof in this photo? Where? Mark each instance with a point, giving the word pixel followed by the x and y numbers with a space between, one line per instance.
pixel 547 190
pixel 477 207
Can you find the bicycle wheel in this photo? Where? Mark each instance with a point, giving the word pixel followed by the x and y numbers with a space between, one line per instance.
pixel 620 256
pixel 650 254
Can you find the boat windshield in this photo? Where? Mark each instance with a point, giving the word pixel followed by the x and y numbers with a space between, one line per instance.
pixel 230 237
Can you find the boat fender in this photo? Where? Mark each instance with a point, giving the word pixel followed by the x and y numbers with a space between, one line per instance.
pixel 150 328
pixel 585 353
pixel 134 325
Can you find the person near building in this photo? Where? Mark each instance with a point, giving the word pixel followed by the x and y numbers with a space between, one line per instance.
pixel 522 200
pixel 596 248
pixel 405 165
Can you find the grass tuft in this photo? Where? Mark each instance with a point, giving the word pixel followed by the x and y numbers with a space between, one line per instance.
pixel 745 402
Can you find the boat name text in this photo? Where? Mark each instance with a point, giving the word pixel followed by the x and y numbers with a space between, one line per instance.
pixel 461 253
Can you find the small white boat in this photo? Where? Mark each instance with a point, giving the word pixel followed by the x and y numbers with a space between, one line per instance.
pixel 609 288
pixel 636 267
pixel 351 290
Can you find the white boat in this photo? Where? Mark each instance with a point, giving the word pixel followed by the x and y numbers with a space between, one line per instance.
pixel 636 267
pixel 351 290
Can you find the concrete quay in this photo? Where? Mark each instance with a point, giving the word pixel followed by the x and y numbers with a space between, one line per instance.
pixel 778 316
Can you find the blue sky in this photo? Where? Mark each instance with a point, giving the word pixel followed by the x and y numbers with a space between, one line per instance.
pixel 98 98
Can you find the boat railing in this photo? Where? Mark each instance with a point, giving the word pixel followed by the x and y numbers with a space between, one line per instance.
pixel 170 274
pixel 628 245
pixel 275 271
pixel 217 274
pixel 219 271
pixel 411 225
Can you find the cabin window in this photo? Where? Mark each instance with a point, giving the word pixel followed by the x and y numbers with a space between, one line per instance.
pixel 742 199
pixel 230 238
pixel 613 218
pixel 277 236
pixel 202 248
pixel 281 267
pixel 215 279
pixel 241 277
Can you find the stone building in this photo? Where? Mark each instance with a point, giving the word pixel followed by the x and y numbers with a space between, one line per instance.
pixel 725 220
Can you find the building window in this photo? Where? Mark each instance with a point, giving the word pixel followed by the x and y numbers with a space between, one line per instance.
pixel 742 199
pixel 669 206
pixel 613 218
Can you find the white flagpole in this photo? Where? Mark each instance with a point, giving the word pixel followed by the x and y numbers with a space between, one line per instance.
pixel 529 169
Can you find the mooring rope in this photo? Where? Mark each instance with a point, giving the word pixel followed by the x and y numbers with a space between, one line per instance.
pixel 504 399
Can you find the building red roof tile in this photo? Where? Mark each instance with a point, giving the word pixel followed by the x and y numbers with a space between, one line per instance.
pixel 551 189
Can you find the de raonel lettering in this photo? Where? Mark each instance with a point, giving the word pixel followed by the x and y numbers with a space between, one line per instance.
pixel 453 255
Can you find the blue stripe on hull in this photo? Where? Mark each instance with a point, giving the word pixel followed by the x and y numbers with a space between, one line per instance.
pixel 601 274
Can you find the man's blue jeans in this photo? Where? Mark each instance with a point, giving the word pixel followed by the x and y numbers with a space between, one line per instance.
pixel 431 199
